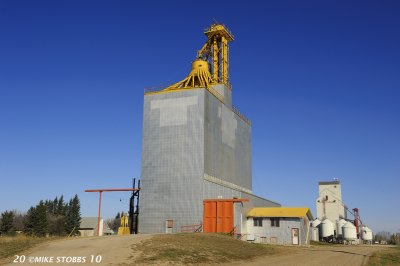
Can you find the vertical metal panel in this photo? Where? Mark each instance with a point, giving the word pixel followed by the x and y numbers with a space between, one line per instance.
pixel 218 216
pixel 227 143
pixel 210 217
pixel 172 160
pixel 282 234
pixel 184 139
pixel 224 217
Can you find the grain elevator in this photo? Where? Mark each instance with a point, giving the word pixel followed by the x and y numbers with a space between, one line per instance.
pixel 196 146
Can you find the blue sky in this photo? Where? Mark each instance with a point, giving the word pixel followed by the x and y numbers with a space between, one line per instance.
pixel 319 80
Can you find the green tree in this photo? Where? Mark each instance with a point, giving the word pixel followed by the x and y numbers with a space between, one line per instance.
pixel 61 206
pixel 73 217
pixel 56 224
pixel 30 221
pixel 19 219
pixel 55 205
pixel 36 221
pixel 41 226
pixel 49 206
pixel 7 221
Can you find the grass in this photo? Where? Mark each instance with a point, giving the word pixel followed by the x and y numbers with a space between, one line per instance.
pixel 198 248
pixel 320 243
pixel 389 256
pixel 11 246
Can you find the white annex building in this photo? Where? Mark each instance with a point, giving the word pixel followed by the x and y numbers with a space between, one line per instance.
pixel 329 202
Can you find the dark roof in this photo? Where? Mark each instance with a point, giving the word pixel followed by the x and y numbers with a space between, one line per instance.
pixel 329 183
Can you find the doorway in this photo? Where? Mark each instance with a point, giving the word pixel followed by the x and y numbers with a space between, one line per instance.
pixel 219 215
pixel 295 236
pixel 169 226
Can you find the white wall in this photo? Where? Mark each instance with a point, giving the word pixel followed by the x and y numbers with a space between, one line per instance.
pixel 282 234
pixel 332 207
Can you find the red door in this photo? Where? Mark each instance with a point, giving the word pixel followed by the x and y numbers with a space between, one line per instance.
pixel 210 217
pixel 224 217
pixel 218 216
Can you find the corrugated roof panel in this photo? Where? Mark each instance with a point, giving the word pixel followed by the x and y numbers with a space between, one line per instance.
pixel 88 222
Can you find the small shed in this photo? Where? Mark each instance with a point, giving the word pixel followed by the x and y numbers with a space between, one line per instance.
pixel 279 225
pixel 88 227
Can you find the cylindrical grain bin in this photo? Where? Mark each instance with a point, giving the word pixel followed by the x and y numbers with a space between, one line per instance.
pixel 327 228
pixel 366 234
pixel 349 231
pixel 339 230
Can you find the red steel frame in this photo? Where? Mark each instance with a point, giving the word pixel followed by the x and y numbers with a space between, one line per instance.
pixel 100 193
pixel 228 200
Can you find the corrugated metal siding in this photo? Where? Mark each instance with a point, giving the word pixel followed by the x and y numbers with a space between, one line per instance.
pixel 225 92
pixel 214 191
pixel 172 161
pixel 305 232
pixel 283 233
pixel 184 140
pixel 227 140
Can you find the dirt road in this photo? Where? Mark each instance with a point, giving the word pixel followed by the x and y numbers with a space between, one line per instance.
pixel 120 250
pixel 107 250
pixel 317 256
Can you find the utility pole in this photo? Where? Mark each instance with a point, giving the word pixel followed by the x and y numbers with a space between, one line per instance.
pixel 134 210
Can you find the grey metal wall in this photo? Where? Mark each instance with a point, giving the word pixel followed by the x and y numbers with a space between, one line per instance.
pixel 223 90
pixel 305 231
pixel 214 191
pixel 172 160
pixel 189 135
pixel 283 233
pixel 227 140
pixel 255 201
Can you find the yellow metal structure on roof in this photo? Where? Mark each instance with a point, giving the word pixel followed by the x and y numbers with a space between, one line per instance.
pixel 216 49
pixel 280 212
pixel 199 77
pixel 214 53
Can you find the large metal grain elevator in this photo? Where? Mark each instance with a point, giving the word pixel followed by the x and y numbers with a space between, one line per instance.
pixel 196 145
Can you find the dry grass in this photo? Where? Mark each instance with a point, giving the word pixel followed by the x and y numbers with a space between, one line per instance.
pixel 320 243
pixel 11 246
pixel 389 256
pixel 198 248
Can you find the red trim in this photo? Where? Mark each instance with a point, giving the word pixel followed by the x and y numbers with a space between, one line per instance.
pixel 112 189
pixel 226 200
pixel 101 192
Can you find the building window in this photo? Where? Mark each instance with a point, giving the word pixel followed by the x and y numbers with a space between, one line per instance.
pixel 257 221
pixel 274 222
